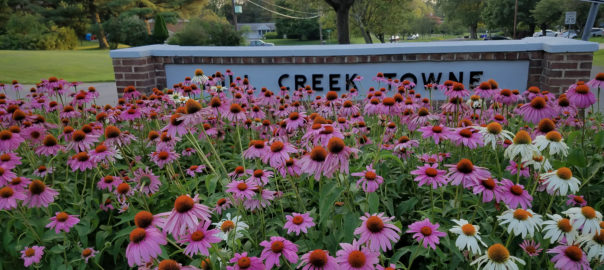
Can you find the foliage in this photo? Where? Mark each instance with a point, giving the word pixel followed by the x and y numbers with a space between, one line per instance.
pixel 468 12
pixel 272 35
pixel 25 31
pixel 548 13
pixel 209 30
pixel 499 15
pixel 126 29
pixel 160 31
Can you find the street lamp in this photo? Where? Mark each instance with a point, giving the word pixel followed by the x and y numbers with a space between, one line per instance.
pixel 591 18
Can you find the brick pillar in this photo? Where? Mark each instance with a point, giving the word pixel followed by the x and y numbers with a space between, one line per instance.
pixel 560 70
pixel 139 72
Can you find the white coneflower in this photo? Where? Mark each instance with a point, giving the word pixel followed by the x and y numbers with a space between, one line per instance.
pixel 554 141
pixel 199 77
pixel 520 221
pixel 475 102
pixel 522 145
pixel 229 226
pixel 586 218
pixel 468 236
pixel 178 98
pixel 540 164
pixel 558 228
pixel 494 134
pixel 560 181
pixel 497 258
pixel 594 246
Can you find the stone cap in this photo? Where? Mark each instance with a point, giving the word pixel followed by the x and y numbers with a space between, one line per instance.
pixel 547 44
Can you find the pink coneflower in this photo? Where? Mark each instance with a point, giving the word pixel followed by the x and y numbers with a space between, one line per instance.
pixel 489 188
pixel 109 182
pixel 260 177
pixel 318 259
pixel 9 160
pixel 515 195
pixel 576 200
pixel 353 257
pixel 242 189
pixel 194 169
pixel 257 149
pixel 131 114
pixel 297 222
pixel 531 248
pixel 468 137
pixel 569 258
pixel 278 152
pixel 369 181
pixel 243 262
pixel 80 141
pixel 49 147
pixel 235 113
pixel 19 183
pixel 33 133
pixel 9 197
pixel 6 175
pixel 291 167
pixel 31 255
pixel 513 169
pixel 144 246
pixel 581 97
pixel 277 247
pixel 377 232
pixel 62 222
pixel 80 161
pixel 69 112
pixel 176 126
pixel 123 191
pixel 221 205
pixel 457 91
pixel 466 173
pixel 103 153
pixel 338 156
pixel 185 215
pixel 39 195
pixel 147 182
pixel 536 110
pixel 9 141
pixel 389 267
pixel 164 156
pixel 200 240
pixel 188 152
pixel 239 172
pixel 262 201
pixel 314 162
pixel 294 121
pixel 437 133
pixel 426 233
pixel 431 175
pixel 88 253
pixel 348 109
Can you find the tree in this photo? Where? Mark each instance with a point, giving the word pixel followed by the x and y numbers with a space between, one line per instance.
pixel 499 15
pixel 548 13
pixel 160 31
pixel 302 29
pixel 342 9
pixel 379 17
pixel 467 12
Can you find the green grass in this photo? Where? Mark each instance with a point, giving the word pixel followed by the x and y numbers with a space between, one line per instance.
pixel 86 63
pixel 354 40
pixel 597 39
pixel 598 58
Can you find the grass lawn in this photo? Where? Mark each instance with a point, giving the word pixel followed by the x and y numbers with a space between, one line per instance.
pixel 353 40
pixel 598 58
pixel 86 63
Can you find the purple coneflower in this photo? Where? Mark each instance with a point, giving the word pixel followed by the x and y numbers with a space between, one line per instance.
pixel 147 182
pixel 242 189
pixel 31 255
pixel 62 222
pixel 278 153
pixel 576 200
pixel 80 141
pixel 468 137
pixel 515 195
pixel 185 215
pixel 39 195
pixel 581 96
pixel 431 175
pixel 489 188
pixel 144 246
pixel 49 147
pixel 353 257
pixel 9 197
pixel 569 258
pixel 378 232
pixel 164 156
pixel 437 133
pixel 297 222
pixel 314 162
pixel 109 182
pixel 221 205
pixel 318 259
pixel 260 177
pixel 200 240
pixel 243 262
pixel 426 233
pixel 369 181
pixel 191 171
pixel 88 253
pixel 536 110
pixel 338 156
pixel 257 149
pixel 277 247
pixel 9 141
pixel 80 161
pixel 531 248
pixel 466 173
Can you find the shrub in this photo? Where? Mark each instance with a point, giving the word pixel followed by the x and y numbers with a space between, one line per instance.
pixel 272 35
pixel 207 31
pixel 26 31
pixel 160 31
pixel 130 30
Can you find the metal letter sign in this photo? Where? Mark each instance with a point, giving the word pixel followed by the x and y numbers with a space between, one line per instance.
pixel 570 18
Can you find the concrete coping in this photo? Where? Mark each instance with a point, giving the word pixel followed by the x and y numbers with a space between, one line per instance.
pixel 547 44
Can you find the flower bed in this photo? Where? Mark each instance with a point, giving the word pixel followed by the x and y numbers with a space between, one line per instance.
pixel 208 176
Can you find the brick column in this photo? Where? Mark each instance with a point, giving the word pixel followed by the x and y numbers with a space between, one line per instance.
pixel 560 70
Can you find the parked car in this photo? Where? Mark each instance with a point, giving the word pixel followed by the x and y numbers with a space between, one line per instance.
pixel 597 32
pixel 548 33
pixel 413 37
pixel 569 34
pixel 496 37
pixel 260 43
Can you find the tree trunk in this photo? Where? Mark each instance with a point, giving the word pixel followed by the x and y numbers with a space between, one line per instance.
pixel 148 25
pixel 342 24
pixel 473 31
pixel 103 44
pixel 381 37
pixel 366 35
pixel 96 18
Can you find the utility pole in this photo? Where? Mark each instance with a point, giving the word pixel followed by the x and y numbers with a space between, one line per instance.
pixel 591 18
pixel 320 29
pixel 234 15
pixel 515 17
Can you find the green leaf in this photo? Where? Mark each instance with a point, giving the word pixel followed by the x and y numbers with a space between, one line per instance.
pixel 329 195
pixel 374 202
pixel 599 139
pixel 577 158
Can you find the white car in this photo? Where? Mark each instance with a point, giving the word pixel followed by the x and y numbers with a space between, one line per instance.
pixel 569 34
pixel 548 33
pixel 597 32
pixel 260 43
